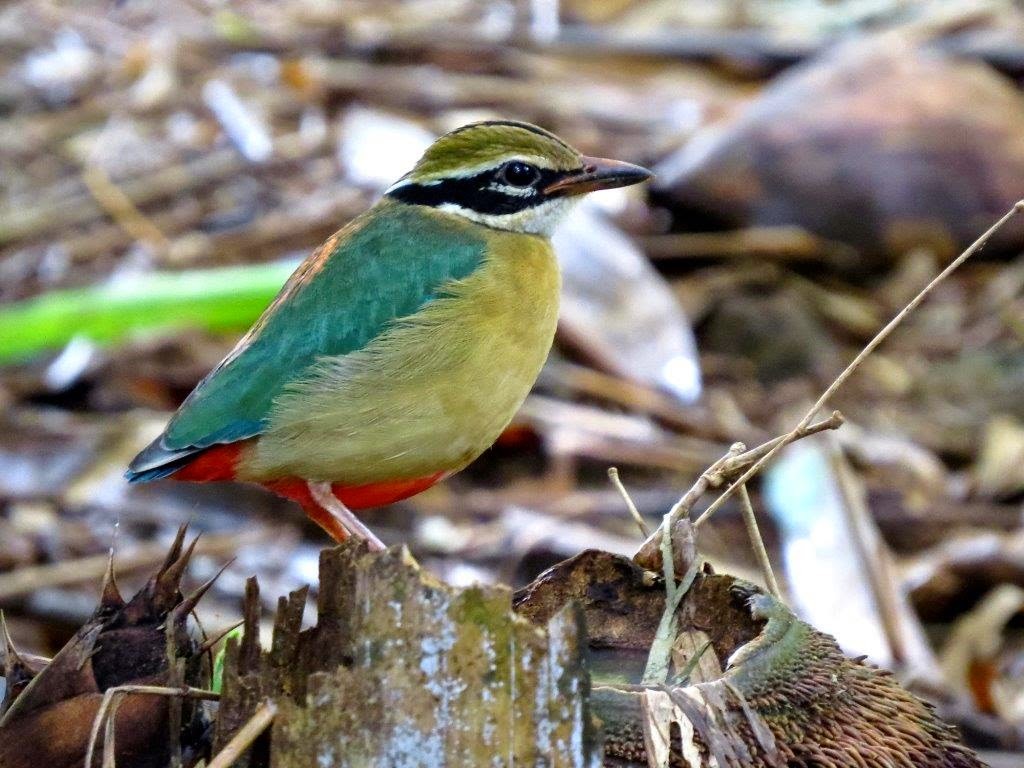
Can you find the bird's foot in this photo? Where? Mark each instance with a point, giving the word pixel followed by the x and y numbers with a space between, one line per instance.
pixel 338 520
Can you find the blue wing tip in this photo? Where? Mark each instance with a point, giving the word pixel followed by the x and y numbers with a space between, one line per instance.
pixel 146 475
pixel 156 461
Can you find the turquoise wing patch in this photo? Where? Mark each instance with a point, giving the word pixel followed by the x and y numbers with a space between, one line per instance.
pixel 387 265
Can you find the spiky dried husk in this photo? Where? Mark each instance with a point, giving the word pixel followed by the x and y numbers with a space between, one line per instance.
pixel 826 710
pixel 49 721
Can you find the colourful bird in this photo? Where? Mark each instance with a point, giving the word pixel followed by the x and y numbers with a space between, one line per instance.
pixel 403 346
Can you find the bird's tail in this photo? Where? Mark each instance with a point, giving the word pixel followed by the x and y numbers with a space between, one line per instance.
pixel 200 464
pixel 156 461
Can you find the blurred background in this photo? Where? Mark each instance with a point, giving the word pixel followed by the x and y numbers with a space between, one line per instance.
pixel 164 166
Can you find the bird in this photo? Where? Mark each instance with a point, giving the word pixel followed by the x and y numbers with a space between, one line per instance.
pixel 402 347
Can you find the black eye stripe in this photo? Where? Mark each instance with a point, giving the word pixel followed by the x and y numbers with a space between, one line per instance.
pixel 477 193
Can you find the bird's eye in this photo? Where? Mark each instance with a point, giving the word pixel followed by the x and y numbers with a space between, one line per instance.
pixel 518 174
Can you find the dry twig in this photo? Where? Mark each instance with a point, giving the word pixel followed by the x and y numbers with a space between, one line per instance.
pixel 871 552
pixel 778 243
pixel 23 581
pixel 121 208
pixel 613 475
pixel 731 465
pixel 870 347
pixel 247 734
pixel 211 642
pixel 757 543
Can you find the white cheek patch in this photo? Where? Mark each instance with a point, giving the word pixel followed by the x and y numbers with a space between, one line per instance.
pixel 508 189
pixel 536 220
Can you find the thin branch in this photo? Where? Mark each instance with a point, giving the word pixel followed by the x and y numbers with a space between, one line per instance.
pixel 257 724
pixel 613 475
pixel 656 669
pixel 734 465
pixel 870 347
pixel 211 642
pixel 757 543
pixel 726 467
pixel 682 507
pixel 682 677
pixel 776 243
pixel 34 221
pixel 109 747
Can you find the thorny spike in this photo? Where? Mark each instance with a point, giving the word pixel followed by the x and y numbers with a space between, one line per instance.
pixel 185 607
pixel 211 642
pixel 110 598
pixel 11 655
pixel 17 670
pixel 168 581
pixel 65 675
pixel 175 551
pixel 15 667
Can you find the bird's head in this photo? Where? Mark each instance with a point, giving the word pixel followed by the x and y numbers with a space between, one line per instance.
pixel 508 175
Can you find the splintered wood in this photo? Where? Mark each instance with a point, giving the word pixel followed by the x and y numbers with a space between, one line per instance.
pixel 401 670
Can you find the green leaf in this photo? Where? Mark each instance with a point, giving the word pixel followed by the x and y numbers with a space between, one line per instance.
pixel 217 683
pixel 222 299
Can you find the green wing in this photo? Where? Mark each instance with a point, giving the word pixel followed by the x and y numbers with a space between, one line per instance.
pixel 385 265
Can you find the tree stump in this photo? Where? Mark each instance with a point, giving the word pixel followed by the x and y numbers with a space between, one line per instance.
pixel 401 670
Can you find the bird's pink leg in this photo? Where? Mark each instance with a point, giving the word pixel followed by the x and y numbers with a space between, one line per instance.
pixel 342 515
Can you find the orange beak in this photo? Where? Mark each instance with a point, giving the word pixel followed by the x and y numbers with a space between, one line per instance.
pixel 598 173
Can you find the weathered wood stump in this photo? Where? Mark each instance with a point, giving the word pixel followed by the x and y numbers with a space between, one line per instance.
pixel 401 670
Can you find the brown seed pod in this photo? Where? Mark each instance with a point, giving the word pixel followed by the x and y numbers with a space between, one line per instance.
pixel 50 712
